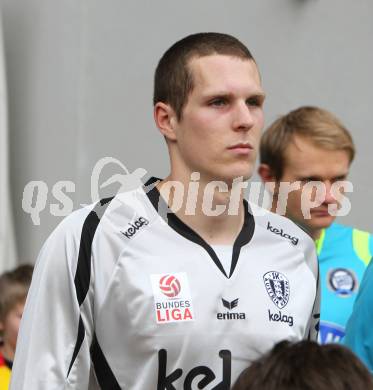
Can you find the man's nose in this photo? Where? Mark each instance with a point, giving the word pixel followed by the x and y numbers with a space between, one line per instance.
pixel 329 195
pixel 243 118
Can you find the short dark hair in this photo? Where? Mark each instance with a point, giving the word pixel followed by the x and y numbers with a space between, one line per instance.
pixel 320 126
pixel 173 80
pixel 306 365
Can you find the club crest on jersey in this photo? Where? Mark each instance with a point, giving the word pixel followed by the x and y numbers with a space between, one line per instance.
pixel 278 288
pixel 172 298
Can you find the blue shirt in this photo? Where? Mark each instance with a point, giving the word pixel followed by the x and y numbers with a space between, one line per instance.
pixel 359 331
pixel 344 253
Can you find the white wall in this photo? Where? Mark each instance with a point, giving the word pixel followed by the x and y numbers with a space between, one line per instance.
pixel 80 83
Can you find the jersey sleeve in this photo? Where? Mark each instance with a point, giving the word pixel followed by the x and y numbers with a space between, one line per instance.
pixel 359 335
pixel 314 320
pixel 56 328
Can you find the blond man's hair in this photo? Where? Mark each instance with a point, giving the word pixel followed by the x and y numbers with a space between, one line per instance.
pixel 321 127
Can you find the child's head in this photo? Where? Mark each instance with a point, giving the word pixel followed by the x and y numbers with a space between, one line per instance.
pixel 306 365
pixel 14 286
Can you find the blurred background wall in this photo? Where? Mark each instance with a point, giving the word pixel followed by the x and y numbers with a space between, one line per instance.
pixel 79 76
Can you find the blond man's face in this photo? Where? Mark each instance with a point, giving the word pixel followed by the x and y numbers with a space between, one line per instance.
pixel 306 162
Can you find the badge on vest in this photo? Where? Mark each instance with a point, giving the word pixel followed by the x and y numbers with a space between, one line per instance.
pixel 342 281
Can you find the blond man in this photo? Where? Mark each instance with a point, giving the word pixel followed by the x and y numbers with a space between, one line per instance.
pixel 307 154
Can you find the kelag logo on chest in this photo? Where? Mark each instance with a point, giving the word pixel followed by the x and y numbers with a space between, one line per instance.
pixel 172 298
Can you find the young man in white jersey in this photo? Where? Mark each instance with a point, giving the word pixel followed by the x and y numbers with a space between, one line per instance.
pixel 131 294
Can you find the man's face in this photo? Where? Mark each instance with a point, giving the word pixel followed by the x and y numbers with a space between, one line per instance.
pixel 218 134
pixel 307 162
pixel 10 326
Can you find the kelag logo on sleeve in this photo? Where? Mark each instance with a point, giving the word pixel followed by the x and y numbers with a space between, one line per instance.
pixel 172 298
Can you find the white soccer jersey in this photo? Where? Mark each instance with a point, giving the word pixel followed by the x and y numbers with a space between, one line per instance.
pixel 125 296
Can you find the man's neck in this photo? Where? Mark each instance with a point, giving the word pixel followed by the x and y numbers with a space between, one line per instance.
pixel 210 212
pixel 316 234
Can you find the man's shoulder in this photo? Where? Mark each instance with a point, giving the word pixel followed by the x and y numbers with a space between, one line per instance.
pixel 346 229
pixel 281 226
pixel 121 203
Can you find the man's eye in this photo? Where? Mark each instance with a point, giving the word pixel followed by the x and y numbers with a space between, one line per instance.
pixel 309 180
pixel 218 102
pixel 253 102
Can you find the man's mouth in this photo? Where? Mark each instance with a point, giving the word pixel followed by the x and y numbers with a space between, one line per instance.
pixel 241 148
pixel 320 212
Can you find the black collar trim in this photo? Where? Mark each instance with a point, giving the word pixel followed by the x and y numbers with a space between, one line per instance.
pixel 184 230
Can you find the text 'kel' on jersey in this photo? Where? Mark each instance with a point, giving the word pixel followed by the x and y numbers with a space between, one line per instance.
pixel 204 374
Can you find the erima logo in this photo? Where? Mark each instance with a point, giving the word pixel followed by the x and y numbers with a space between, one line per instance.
pixel 229 315
pixel 205 374
pixel 294 240
pixel 134 227
pixel 230 305
pixel 279 317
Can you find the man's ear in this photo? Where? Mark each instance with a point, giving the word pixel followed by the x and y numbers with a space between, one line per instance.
pixel 165 119
pixel 266 173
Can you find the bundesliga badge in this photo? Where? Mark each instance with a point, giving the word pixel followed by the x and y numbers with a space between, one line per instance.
pixel 277 287
pixel 172 298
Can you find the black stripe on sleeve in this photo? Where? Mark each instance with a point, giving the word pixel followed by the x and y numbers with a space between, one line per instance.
pixel 83 270
pixel 78 344
pixel 104 374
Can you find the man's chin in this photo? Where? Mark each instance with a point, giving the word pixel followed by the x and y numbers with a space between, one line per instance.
pixel 234 176
pixel 317 223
